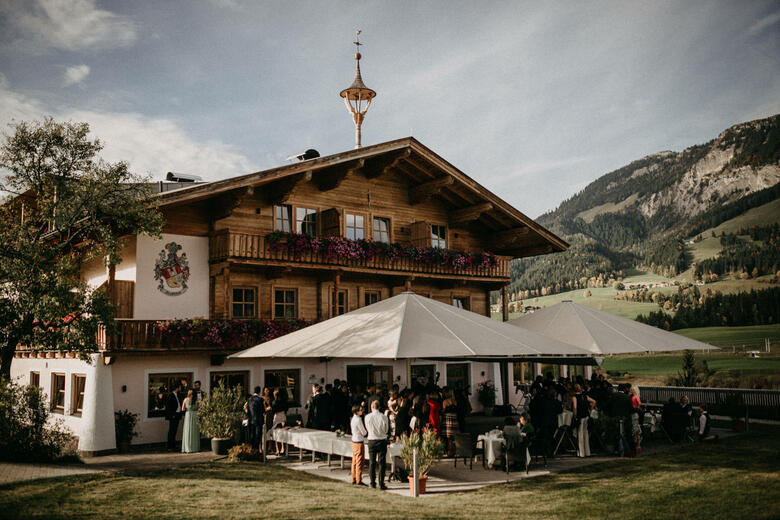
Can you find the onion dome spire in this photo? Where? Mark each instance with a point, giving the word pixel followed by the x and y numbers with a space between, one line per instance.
pixel 357 96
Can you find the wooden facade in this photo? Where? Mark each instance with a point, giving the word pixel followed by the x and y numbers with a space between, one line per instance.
pixel 397 192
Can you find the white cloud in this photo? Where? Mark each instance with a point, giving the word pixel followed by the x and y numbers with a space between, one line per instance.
pixel 76 74
pixel 762 24
pixel 150 145
pixel 70 25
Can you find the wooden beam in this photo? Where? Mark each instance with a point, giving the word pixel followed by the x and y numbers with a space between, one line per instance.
pixel 330 178
pixel 222 206
pixel 425 191
pixel 509 237
pixel 279 191
pixel 376 169
pixel 504 304
pixel 468 214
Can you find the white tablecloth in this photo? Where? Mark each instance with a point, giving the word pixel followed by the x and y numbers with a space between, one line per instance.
pixel 492 441
pixel 324 441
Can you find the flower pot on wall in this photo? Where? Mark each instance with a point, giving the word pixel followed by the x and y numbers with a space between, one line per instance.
pixel 421 487
pixel 221 446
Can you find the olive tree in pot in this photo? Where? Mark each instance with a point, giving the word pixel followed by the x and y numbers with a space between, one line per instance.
pixel 429 450
pixel 219 416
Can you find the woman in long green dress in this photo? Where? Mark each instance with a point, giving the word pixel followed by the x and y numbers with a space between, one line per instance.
pixel 190 442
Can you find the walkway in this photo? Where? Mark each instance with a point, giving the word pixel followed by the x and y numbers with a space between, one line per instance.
pixel 129 463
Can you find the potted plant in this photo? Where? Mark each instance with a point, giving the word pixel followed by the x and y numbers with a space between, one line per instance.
pixel 430 449
pixel 486 395
pixel 124 425
pixel 219 416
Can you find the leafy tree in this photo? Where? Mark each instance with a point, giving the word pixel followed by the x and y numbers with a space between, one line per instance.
pixel 62 206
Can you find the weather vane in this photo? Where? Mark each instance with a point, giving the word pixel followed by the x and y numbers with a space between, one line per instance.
pixel 357 96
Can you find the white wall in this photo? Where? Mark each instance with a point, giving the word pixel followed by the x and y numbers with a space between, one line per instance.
pixel 95 273
pixel 152 304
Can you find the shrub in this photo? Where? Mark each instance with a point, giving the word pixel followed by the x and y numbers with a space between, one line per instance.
pixel 221 412
pixel 26 434
pixel 124 424
pixel 486 394
pixel 429 450
pixel 243 452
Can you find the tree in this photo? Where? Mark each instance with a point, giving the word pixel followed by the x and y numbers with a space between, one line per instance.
pixel 62 205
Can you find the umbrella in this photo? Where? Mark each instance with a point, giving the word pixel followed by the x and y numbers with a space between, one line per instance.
pixel 411 326
pixel 601 333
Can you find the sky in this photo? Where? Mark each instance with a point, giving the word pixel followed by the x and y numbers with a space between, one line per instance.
pixel 534 100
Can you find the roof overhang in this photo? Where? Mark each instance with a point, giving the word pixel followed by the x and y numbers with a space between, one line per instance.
pixel 512 232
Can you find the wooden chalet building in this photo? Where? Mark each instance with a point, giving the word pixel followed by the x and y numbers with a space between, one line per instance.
pixel 229 252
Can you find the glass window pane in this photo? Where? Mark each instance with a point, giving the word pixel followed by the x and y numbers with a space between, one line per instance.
pixel 238 310
pixel 289 296
pixel 238 295
pixel 350 220
pixel 359 220
pixel 279 311
pixel 249 310
pixel 279 297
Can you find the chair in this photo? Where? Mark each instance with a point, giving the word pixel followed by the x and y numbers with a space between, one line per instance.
pixel 535 450
pixel 514 451
pixel 465 448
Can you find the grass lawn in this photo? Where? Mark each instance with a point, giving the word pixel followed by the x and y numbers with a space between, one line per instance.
pixel 727 337
pixel 668 364
pixel 734 478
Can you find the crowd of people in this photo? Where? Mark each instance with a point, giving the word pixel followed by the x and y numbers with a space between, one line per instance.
pixel 183 402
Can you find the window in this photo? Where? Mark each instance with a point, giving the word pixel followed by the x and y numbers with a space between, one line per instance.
pixel 438 236
pixel 288 380
pixel 306 221
pixel 58 393
pixel 283 218
pixel 372 297
pixel 461 302
pixel 244 302
pixel 523 372
pixel 382 230
pixel 284 303
pixel 355 227
pixel 35 379
pixel 78 384
pixel 458 375
pixel 554 370
pixel 341 303
pixel 158 388
pixel 230 380
pixel 423 375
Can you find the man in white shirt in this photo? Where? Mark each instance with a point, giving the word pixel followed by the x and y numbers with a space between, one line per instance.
pixel 378 427
pixel 358 450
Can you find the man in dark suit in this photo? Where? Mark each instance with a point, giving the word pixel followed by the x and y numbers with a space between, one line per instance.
pixel 254 408
pixel 173 415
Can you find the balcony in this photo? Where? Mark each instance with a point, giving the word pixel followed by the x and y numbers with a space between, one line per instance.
pixel 254 249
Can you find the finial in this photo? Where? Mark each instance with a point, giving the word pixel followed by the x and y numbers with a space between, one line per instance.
pixel 357 94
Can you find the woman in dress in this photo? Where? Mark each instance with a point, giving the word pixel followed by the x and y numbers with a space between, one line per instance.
pixel 279 409
pixel 434 414
pixel 450 424
pixel 636 429
pixel 190 442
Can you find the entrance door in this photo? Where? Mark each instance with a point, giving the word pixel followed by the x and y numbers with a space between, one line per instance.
pixel 358 375
pixel 382 376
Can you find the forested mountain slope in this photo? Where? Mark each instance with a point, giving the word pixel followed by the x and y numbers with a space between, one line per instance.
pixel 641 214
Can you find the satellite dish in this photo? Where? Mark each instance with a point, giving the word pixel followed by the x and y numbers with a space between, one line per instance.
pixel 311 153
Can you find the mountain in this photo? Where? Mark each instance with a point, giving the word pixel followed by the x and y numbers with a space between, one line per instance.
pixel 641 215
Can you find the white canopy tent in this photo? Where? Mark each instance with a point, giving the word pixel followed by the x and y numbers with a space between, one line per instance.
pixel 411 326
pixel 601 333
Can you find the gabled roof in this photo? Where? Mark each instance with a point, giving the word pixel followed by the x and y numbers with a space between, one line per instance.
pixel 511 232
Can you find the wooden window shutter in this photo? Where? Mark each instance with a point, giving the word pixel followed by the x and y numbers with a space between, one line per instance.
pixel 421 234
pixel 331 222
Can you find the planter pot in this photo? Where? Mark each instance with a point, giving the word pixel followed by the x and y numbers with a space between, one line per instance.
pixel 738 425
pixel 221 446
pixel 422 480
pixel 124 447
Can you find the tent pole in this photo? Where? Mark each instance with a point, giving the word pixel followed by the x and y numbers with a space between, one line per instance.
pixel 408 373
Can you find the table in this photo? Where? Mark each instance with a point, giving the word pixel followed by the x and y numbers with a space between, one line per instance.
pixel 327 442
pixel 492 441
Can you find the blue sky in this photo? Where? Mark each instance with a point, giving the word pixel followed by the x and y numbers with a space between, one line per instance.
pixel 532 99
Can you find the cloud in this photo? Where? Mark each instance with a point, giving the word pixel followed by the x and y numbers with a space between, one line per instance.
pixel 71 25
pixel 76 74
pixel 762 24
pixel 151 145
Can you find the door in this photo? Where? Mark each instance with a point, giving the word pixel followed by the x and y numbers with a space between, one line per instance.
pixel 382 376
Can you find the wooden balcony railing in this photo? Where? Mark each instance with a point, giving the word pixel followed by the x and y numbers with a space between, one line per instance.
pixel 145 335
pixel 231 245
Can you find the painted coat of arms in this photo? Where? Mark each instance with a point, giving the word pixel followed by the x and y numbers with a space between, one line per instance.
pixel 171 270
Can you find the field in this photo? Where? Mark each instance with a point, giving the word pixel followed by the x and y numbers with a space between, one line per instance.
pixel 733 478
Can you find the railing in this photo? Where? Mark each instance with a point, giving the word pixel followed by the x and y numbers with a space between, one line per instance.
pixel 760 404
pixel 248 246
pixel 145 335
